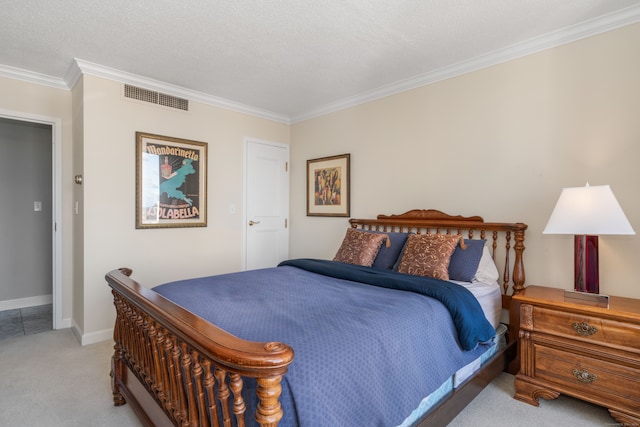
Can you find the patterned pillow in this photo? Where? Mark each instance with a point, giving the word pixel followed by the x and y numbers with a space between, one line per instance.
pixel 359 247
pixel 428 255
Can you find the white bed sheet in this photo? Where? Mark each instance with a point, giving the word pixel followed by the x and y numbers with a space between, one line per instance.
pixel 489 295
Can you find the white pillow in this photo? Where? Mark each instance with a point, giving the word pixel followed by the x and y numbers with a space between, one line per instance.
pixel 487 271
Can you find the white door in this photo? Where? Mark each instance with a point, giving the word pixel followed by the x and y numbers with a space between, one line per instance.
pixel 267 204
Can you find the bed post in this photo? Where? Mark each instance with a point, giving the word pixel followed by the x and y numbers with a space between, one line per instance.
pixel 269 411
pixel 117 360
pixel 518 266
pixel 116 375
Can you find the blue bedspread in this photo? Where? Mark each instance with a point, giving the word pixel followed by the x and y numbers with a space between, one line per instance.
pixel 395 347
pixel 468 318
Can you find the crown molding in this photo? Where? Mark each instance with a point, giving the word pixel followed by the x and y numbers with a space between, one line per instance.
pixel 32 77
pixel 80 67
pixel 73 74
pixel 90 68
pixel 612 21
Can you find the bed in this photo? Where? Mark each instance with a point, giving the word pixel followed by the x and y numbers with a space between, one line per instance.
pixel 361 360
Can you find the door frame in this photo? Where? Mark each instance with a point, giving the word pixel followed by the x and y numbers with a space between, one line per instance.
pixel 56 212
pixel 247 141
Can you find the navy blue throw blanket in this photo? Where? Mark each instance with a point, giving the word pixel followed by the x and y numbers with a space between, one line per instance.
pixel 468 317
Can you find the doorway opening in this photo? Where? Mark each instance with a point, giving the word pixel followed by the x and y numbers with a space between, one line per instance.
pixel 30 250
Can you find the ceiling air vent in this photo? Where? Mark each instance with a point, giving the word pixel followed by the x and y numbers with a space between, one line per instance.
pixel 153 97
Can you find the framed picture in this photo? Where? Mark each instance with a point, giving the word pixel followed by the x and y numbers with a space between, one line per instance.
pixel 171 182
pixel 328 186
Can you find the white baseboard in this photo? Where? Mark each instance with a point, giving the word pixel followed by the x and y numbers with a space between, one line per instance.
pixel 93 337
pixel 99 336
pixel 66 323
pixel 76 331
pixel 14 304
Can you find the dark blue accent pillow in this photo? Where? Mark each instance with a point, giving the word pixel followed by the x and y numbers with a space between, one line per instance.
pixel 387 255
pixel 464 262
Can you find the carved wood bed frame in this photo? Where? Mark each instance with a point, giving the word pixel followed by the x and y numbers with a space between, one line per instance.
pixel 174 368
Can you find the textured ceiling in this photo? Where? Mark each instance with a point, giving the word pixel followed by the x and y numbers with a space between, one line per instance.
pixel 288 57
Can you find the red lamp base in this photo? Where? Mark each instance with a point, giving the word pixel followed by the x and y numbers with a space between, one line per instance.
pixel 586 264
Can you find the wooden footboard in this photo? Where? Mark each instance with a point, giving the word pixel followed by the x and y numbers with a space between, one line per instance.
pixel 175 368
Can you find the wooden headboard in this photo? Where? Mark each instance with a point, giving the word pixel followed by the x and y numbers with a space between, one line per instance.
pixel 505 240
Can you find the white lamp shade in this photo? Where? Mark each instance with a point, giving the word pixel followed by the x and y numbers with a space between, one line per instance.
pixel 588 210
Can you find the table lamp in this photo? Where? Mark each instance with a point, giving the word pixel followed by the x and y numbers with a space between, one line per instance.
pixel 587 212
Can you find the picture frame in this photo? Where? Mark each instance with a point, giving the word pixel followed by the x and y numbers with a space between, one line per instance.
pixel 171 182
pixel 329 186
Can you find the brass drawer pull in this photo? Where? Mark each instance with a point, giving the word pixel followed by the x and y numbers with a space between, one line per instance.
pixel 584 376
pixel 584 329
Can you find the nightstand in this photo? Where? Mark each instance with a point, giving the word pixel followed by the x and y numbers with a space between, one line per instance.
pixel 591 353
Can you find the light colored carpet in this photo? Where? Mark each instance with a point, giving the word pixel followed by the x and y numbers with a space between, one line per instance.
pixel 496 407
pixel 48 379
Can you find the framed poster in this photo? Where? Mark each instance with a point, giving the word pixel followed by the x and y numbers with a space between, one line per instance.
pixel 328 186
pixel 171 182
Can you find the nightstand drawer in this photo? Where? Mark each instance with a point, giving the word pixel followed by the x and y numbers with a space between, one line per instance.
pixel 586 376
pixel 587 328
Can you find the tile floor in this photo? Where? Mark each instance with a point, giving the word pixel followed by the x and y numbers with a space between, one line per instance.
pixel 26 321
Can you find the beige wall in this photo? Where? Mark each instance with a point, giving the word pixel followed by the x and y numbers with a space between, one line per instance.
pixel 98 142
pixel 157 255
pixel 500 143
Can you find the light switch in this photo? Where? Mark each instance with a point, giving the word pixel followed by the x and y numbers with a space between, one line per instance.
pixel 37 206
